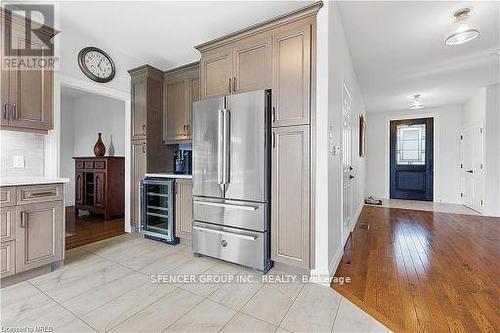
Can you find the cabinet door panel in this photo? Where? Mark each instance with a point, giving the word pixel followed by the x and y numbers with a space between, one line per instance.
pixel 194 85
pixel 38 234
pixel 7 223
pixel 8 258
pixel 291 75
pixel 79 188
pixel 290 223
pixel 4 75
pixel 99 189
pixel 139 108
pixel 177 111
pixel 216 73
pixel 138 172
pixel 183 207
pixel 252 63
pixel 31 91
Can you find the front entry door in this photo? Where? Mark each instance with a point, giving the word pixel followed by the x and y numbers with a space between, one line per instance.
pixel 411 147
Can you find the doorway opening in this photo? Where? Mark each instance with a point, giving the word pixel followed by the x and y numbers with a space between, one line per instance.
pixel 412 159
pixel 94 197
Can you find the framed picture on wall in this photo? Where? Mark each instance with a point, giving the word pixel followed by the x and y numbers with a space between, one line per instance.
pixel 362 135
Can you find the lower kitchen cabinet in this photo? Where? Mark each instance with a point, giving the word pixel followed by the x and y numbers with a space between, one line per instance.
pixel 290 203
pixel 39 234
pixel 183 207
pixel 7 258
pixel 139 155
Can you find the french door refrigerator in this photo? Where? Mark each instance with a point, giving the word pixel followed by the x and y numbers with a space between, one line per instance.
pixel 231 178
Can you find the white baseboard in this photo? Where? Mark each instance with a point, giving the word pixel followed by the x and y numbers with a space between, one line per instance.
pixel 356 216
pixel 334 263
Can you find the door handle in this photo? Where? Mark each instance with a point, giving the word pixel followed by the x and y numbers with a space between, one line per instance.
pixel 220 138
pixel 226 149
pixel 14 111
pixel 23 219
pixel 215 231
pixel 229 86
pixel 234 84
pixel 226 205
pixel 351 177
pixel 470 171
pixel 273 116
pixel 5 110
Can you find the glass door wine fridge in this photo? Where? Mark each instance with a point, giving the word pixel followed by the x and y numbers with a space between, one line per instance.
pixel 157 209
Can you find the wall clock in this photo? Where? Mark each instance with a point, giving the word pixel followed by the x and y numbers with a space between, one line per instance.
pixel 96 64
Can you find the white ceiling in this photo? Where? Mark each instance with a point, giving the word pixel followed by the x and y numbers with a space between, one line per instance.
pixel 163 33
pixel 398 50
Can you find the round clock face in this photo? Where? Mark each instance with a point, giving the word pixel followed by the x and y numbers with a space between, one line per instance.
pixel 96 64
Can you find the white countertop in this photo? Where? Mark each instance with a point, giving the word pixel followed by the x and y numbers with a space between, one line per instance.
pixel 17 181
pixel 169 175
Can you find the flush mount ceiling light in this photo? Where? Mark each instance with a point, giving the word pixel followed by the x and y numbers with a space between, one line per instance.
pixel 463 33
pixel 416 102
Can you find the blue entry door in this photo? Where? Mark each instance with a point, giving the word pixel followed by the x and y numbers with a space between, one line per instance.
pixel 411 154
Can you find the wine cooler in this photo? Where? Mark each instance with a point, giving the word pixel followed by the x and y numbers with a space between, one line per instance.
pixel 157 210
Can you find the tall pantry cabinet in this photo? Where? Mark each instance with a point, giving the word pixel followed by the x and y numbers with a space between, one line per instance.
pixel 278 54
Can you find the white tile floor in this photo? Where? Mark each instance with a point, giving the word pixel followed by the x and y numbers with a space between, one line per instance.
pixel 106 286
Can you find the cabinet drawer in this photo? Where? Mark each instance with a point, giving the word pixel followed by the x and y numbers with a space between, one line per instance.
pixel 88 164
pixel 7 196
pixel 100 165
pixel 39 193
pixel 7 224
pixel 79 164
pixel 8 258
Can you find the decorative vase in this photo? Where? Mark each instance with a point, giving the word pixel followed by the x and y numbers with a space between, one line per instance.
pixel 99 148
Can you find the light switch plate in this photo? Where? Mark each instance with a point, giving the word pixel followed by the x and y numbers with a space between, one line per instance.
pixel 18 161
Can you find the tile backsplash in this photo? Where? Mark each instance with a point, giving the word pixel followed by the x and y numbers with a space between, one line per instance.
pixel 23 149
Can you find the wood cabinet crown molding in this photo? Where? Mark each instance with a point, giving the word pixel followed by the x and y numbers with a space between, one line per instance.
pixel 310 10
pixel 186 67
pixel 147 70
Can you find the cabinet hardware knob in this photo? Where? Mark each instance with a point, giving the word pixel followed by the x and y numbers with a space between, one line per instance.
pixel 274 140
pixel 144 148
pixel 229 87
pixel 144 129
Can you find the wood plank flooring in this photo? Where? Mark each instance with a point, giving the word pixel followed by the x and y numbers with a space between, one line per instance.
pixel 90 229
pixel 425 271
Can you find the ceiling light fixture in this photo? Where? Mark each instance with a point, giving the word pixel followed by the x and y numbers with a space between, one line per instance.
pixel 463 33
pixel 416 102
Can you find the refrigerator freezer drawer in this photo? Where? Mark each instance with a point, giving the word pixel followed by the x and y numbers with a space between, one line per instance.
pixel 231 213
pixel 242 247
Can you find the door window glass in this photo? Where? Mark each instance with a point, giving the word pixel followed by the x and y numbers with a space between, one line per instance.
pixel 410 144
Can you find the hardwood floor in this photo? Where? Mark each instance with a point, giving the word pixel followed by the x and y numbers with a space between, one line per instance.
pixel 425 271
pixel 89 229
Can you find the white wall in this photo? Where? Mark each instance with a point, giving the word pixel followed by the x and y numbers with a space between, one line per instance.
pixel 334 66
pixel 82 117
pixel 447 126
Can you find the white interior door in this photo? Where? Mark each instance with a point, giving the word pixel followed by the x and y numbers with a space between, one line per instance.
pixel 472 167
pixel 347 162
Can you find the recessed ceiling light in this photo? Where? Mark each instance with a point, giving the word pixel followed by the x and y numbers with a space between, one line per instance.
pixel 463 33
pixel 416 102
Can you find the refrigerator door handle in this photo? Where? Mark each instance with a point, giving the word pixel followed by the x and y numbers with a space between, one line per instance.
pixel 227 150
pixel 216 231
pixel 226 205
pixel 220 144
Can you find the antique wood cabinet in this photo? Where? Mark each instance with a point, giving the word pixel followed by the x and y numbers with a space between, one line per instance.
pixel 181 89
pixel 32 227
pixel 183 207
pixel 26 95
pixel 99 185
pixel 278 54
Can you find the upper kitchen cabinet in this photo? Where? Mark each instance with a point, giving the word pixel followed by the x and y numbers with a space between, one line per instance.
pixel 147 115
pixel 181 89
pixel 292 74
pixel 27 94
pixel 239 66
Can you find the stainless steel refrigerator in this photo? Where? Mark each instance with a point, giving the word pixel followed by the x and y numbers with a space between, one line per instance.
pixel 231 178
